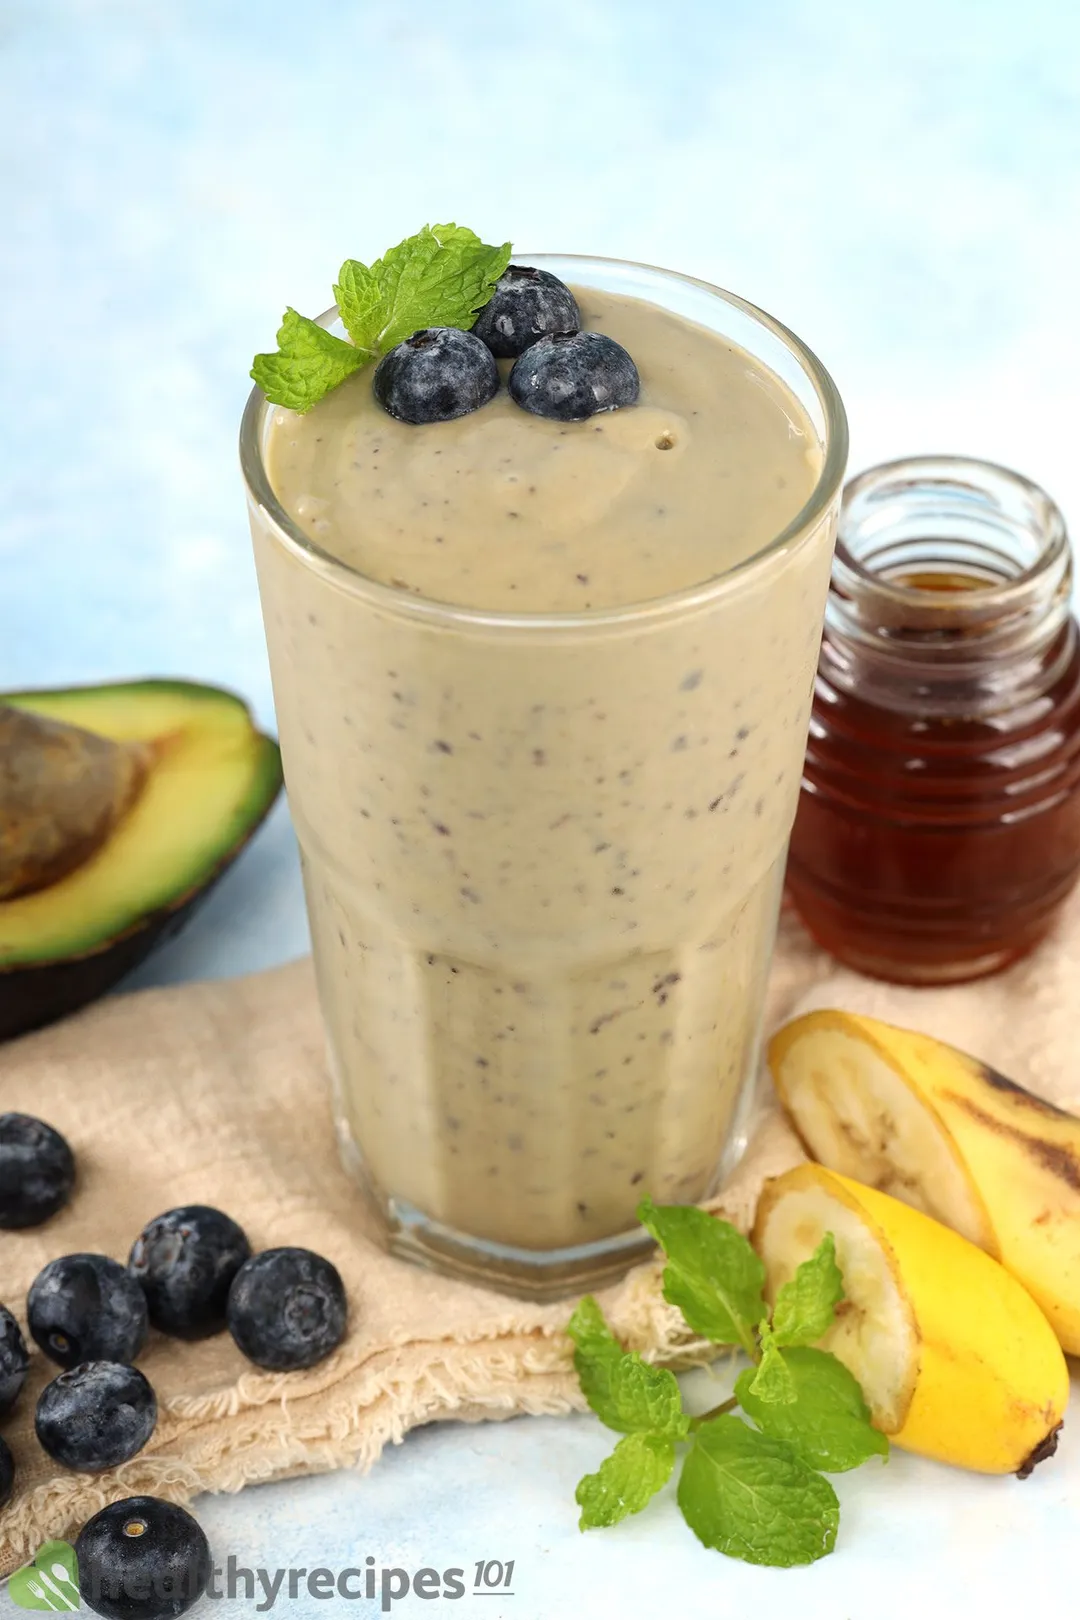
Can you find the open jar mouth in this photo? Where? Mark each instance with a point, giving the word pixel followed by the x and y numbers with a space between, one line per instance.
pixel 743 323
pixel 939 549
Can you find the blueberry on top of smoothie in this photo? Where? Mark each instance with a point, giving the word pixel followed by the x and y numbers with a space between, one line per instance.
pixel 571 376
pixel 435 375
pixel 37 1170
pixel 527 304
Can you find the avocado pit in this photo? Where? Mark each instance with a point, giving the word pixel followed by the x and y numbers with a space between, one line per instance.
pixel 62 791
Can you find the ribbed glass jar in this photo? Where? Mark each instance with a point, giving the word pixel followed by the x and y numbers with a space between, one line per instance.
pixel 938 828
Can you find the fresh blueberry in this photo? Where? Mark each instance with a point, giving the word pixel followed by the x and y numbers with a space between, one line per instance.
pixel 527 304
pixel 96 1415
pixel 142 1559
pixel 185 1261
pixel 435 375
pixel 85 1307
pixel 37 1170
pixel 287 1309
pixel 14 1360
pixel 574 375
pixel 7 1472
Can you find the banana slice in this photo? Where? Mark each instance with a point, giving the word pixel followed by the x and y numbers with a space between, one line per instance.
pixel 917 1118
pixel 955 1359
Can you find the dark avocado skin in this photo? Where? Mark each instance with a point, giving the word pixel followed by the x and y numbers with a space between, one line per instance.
pixel 39 994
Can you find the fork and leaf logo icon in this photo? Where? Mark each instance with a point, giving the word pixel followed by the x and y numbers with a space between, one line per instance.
pixel 51 1582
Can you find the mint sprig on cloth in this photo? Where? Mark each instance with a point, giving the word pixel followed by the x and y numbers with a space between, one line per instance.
pixel 442 276
pixel 756 1493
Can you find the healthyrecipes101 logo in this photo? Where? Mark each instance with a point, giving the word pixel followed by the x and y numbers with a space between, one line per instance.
pixel 51 1583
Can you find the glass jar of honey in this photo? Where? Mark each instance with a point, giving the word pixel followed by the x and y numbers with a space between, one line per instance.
pixel 938 828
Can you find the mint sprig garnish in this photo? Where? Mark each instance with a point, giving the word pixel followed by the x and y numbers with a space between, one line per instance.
pixel 442 276
pixel 827 1421
pixel 308 363
pixel 625 1482
pixel 713 1275
pixel 754 1498
pixel 752 1493
pixel 772 1382
pixel 806 1305
pixel 624 1391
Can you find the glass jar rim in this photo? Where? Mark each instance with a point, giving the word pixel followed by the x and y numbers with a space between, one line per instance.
pixel 960 473
pixel 398 601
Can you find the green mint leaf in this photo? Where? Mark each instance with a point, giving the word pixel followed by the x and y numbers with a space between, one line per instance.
pixel 626 1481
pixel 752 1497
pixel 596 1353
pixel 590 1332
pixel 713 1275
pixel 645 1399
pixel 828 1422
pixel 359 300
pixel 445 287
pixel 771 1381
pixel 805 1306
pixel 625 1392
pixel 309 362
pixel 442 276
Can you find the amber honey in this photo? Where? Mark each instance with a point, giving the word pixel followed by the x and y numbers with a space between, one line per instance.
pixel 938 829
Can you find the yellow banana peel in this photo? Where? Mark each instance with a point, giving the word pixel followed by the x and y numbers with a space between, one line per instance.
pixel 917 1118
pixel 955 1359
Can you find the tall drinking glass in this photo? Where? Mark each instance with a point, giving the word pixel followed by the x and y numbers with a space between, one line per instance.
pixel 529 1032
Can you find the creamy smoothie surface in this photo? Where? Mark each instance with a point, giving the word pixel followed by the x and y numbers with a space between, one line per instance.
pixel 503 510
pixel 543 862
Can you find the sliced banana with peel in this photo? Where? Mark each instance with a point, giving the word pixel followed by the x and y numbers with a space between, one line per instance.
pixel 948 1135
pixel 955 1359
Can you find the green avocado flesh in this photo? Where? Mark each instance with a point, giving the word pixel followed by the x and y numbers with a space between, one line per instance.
pixel 210 779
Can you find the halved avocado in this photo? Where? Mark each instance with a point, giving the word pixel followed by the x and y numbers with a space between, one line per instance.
pixel 206 779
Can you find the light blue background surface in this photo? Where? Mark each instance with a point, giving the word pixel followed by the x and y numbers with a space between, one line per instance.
pixel 900 183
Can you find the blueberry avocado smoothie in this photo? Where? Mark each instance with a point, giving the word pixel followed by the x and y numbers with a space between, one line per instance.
pixel 543 587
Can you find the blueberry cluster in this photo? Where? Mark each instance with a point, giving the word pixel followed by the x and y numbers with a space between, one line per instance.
pixel 191 1273
pixel 559 371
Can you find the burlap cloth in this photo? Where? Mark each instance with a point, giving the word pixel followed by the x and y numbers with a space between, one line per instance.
pixel 215 1093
